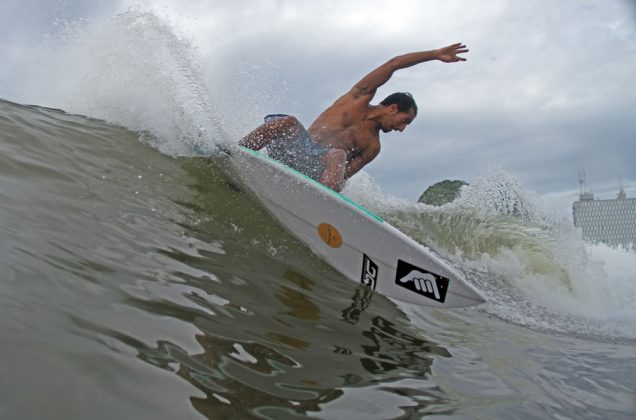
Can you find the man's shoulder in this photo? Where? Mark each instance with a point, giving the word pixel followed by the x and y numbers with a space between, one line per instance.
pixel 348 110
pixel 352 98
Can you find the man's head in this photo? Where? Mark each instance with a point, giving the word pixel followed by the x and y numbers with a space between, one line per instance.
pixel 402 110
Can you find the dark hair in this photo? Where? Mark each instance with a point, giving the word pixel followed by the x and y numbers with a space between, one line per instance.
pixel 403 100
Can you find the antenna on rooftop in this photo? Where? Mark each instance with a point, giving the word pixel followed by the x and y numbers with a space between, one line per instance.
pixel 584 195
pixel 621 193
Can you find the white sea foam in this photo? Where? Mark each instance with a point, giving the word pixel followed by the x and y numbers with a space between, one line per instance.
pixel 532 264
pixel 132 70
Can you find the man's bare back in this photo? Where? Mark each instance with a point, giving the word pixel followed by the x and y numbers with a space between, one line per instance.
pixel 350 128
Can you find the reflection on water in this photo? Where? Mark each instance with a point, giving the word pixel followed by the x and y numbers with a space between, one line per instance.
pixel 374 354
pixel 284 353
pixel 360 301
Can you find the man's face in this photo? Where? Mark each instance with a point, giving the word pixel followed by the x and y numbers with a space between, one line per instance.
pixel 399 121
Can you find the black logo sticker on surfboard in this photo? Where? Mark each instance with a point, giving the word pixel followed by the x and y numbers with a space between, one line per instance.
pixel 369 272
pixel 421 281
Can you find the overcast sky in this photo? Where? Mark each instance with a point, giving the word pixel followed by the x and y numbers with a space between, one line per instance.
pixel 548 88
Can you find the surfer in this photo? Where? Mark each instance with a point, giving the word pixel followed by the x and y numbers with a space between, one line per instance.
pixel 346 136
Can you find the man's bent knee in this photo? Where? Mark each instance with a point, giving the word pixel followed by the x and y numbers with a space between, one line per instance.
pixel 289 125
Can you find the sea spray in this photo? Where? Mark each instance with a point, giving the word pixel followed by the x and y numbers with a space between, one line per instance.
pixel 533 266
pixel 135 71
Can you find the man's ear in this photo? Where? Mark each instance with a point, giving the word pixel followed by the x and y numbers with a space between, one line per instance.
pixel 393 109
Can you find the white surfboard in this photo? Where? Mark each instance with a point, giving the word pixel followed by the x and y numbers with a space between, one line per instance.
pixel 350 238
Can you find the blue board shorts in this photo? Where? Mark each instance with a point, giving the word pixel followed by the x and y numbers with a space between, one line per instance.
pixel 299 152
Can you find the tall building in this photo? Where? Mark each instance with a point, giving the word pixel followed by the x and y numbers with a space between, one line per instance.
pixel 612 222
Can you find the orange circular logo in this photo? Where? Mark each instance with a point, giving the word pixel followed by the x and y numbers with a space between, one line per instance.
pixel 330 235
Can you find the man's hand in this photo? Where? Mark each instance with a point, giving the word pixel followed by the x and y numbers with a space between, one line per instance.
pixel 449 54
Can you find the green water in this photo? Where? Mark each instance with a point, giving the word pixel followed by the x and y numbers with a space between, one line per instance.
pixel 139 285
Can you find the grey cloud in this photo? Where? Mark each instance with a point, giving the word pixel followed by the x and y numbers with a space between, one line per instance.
pixel 546 90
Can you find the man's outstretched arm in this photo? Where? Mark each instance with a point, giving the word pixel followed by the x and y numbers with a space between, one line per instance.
pixel 372 81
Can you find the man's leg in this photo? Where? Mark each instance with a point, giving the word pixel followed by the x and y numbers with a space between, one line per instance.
pixel 284 127
pixel 335 161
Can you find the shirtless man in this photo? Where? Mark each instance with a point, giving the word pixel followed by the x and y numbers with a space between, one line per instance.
pixel 346 136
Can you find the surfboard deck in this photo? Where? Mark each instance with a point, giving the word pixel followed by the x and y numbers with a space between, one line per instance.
pixel 353 240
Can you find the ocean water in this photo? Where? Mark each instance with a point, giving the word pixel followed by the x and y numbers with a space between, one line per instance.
pixel 139 281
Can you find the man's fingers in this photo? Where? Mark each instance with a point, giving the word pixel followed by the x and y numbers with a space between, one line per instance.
pixel 461 49
pixel 452 50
